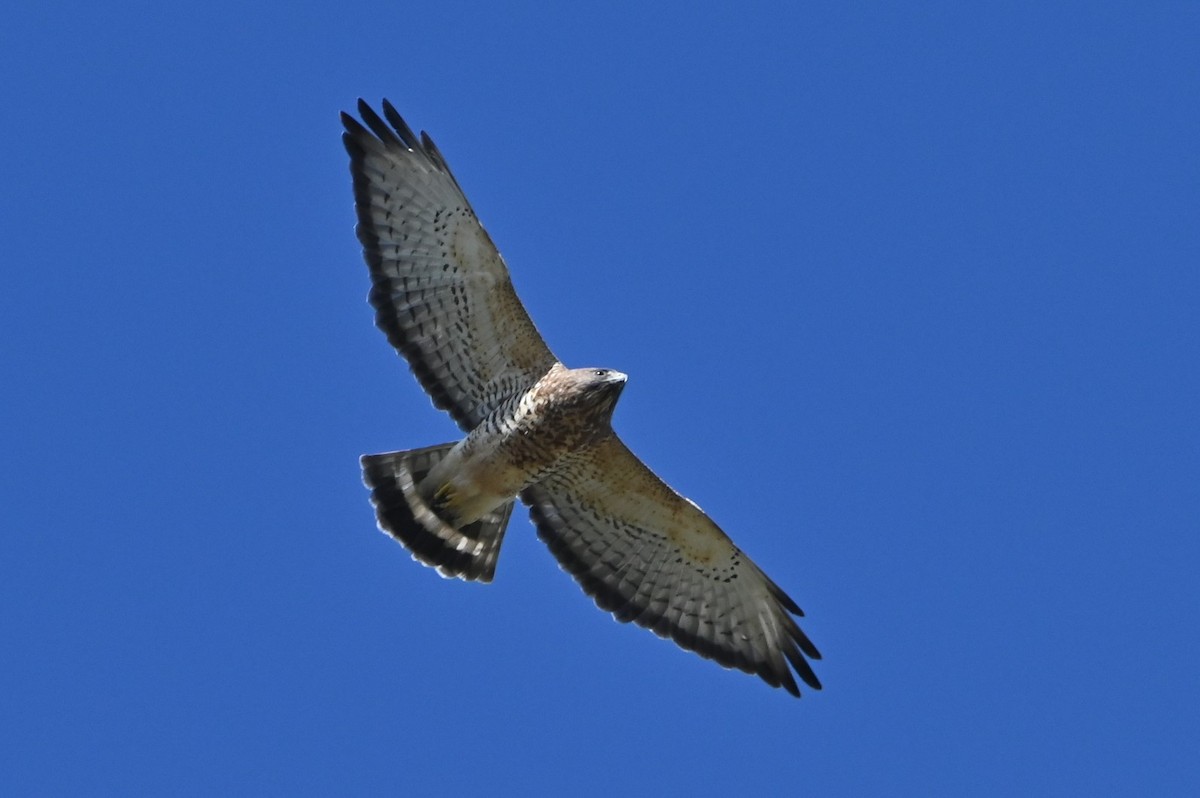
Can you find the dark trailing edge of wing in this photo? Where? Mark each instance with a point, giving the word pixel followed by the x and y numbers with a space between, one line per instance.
pixel 359 140
pixel 774 673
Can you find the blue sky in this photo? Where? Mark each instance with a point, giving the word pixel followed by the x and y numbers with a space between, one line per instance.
pixel 907 297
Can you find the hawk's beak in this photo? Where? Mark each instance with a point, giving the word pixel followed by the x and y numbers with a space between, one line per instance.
pixel 609 391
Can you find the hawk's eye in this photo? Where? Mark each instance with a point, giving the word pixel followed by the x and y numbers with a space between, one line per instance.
pixel 600 373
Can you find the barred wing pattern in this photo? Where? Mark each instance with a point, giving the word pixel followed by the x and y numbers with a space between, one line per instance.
pixel 648 555
pixel 440 289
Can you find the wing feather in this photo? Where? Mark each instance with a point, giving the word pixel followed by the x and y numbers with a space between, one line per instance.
pixel 440 289
pixel 650 556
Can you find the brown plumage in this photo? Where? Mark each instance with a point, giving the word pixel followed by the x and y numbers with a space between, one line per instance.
pixel 535 429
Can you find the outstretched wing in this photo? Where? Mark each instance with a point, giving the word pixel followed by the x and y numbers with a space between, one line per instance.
pixel 440 290
pixel 648 555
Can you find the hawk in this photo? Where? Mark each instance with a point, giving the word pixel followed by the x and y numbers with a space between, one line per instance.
pixel 536 430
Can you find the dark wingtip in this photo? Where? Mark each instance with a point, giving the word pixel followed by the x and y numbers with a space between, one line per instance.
pixel 802 668
pixel 406 134
pixel 377 125
pixel 786 601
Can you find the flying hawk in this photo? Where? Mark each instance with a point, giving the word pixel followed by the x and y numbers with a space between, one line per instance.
pixel 535 430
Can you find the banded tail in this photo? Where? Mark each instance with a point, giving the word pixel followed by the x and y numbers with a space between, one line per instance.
pixel 469 553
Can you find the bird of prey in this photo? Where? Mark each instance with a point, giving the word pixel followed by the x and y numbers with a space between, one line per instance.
pixel 536 430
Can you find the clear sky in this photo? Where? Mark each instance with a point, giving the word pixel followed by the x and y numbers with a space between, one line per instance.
pixel 908 300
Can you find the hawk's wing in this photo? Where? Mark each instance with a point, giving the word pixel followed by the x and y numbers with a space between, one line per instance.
pixel 648 555
pixel 440 289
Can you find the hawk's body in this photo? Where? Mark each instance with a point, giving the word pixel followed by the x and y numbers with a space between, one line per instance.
pixel 521 441
pixel 535 429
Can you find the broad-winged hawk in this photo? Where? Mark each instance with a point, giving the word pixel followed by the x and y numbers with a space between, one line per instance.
pixel 535 430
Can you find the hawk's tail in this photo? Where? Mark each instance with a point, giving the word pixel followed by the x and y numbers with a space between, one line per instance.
pixel 469 553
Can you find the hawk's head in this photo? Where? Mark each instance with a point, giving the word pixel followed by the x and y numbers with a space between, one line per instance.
pixel 593 390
